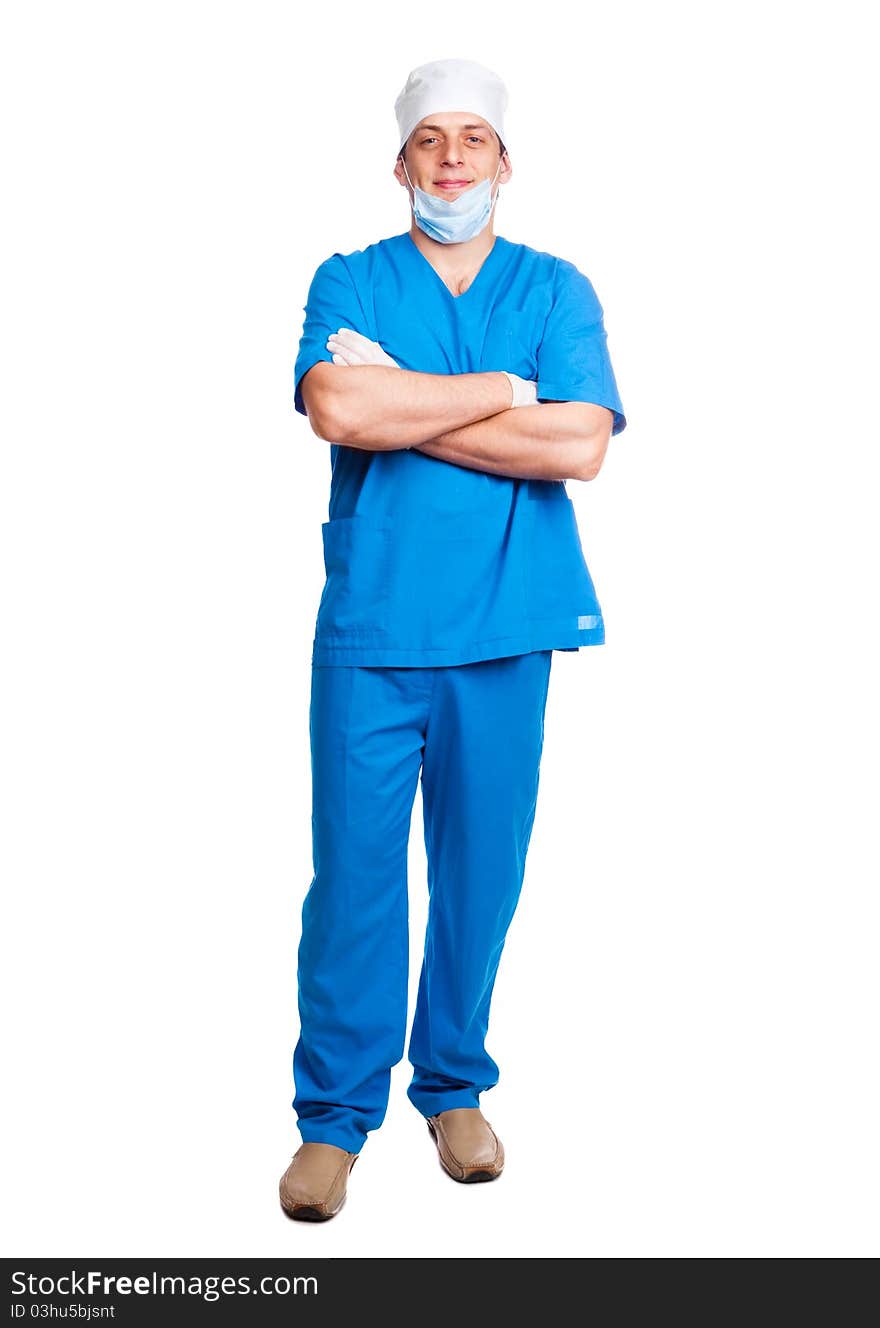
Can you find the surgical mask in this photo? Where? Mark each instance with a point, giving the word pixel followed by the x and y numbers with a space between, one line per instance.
pixel 452 220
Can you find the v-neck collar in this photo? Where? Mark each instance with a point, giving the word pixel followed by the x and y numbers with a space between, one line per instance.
pixel 487 261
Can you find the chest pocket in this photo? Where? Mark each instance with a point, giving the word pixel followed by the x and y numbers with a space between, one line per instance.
pixel 510 343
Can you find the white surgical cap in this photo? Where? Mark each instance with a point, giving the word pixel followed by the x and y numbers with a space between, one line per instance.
pixel 450 85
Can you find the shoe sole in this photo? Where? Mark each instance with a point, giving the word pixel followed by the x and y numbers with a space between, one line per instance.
pixel 472 1177
pixel 307 1214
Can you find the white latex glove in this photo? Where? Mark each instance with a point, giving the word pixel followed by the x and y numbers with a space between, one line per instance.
pixel 350 347
pixel 525 391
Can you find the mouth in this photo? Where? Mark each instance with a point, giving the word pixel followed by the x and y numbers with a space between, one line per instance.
pixel 452 184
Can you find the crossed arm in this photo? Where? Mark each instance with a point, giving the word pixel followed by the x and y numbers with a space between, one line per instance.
pixel 465 419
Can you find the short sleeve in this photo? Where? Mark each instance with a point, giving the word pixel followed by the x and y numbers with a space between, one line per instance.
pixel 573 359
pixel 332 303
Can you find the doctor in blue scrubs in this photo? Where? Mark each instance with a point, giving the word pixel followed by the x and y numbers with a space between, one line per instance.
pixel 460 379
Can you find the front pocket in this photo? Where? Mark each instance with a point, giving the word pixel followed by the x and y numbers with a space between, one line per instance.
pixel 357 553
pixel 510 344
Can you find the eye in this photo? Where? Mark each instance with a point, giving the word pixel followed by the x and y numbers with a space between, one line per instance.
pixel 475 138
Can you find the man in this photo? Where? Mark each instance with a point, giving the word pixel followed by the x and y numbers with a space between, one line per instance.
pixel 460 379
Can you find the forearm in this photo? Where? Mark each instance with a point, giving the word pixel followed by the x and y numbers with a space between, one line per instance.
pixel 540 442
pixel 381 408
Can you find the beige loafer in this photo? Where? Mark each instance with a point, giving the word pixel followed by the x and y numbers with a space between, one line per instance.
pixel 468 1147
pixel 313 1187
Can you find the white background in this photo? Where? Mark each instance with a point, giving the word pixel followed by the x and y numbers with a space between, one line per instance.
pixel 685 1014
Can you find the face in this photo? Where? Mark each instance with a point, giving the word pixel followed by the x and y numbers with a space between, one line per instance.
pixel 448 154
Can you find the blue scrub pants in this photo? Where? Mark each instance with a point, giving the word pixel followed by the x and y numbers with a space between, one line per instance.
pixel 474 732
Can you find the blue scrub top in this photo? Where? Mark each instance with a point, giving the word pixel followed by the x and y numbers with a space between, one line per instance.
pixel 428 562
